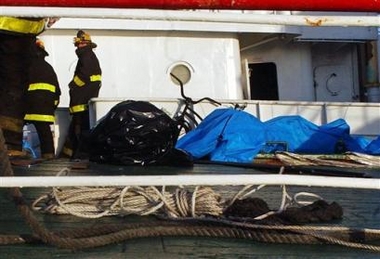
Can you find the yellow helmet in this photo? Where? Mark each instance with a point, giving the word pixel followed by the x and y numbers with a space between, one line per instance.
pixel 83 37
pixel 41 47
pixel 40 43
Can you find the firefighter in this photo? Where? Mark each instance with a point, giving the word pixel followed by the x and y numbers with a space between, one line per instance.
pixel 17 38
pixel 85 85
pixel 42 98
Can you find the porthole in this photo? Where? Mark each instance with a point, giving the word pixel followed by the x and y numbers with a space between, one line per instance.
pixel 182 71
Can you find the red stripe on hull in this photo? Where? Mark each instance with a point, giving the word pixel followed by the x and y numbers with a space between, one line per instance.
pixel 299 5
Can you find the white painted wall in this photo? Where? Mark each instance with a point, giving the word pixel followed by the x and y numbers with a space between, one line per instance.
pixel 136 63
pixel 294 71
pixel 338 59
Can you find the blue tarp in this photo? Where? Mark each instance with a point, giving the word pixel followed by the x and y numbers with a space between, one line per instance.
pixel 230 135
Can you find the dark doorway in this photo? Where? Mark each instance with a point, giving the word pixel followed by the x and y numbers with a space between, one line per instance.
pixel 263 81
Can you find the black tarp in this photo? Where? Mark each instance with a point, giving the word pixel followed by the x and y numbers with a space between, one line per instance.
pixel 136 132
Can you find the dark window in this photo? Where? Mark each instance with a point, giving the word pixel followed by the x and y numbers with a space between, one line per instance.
pixel 263 81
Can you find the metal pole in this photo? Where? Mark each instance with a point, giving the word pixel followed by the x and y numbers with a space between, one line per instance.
pixel 193 180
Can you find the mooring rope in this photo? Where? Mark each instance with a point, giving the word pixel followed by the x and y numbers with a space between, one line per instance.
pixel 108 201
pixel 348 159
pixel 96 202
pixel 319 232
pixel 286 200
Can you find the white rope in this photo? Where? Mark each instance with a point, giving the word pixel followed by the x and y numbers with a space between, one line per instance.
pixel 97 202
pixel 193 202
pixel 100 202
pixel 306 194
pixel 286 200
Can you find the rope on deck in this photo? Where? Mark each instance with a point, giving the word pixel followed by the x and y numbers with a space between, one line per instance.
pixel 81 239
pixel 87 202
pixel 346 160
pixel 90 202
pixel 107 201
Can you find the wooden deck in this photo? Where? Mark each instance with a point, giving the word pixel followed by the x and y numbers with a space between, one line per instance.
pixel 361 210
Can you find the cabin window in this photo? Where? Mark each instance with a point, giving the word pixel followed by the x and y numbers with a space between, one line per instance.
pixel 263 81
pixel 182 71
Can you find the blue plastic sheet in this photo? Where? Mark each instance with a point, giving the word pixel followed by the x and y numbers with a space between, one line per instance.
pixel 229 135
pixel 225 135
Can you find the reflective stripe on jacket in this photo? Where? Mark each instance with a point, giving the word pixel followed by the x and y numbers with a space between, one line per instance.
pixel 22 25
pixel 39 117
pixel 93 78
pixel 78 108
pixel 42 86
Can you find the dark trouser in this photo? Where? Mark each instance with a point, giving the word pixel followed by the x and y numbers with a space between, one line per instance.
pixel 14 62
pixel 76 138
pixel 45 136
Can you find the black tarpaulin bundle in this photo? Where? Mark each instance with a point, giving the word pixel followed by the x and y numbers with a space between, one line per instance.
pixel 134 132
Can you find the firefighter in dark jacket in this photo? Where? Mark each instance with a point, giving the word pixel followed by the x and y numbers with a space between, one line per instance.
pixel 42 98
pixel 85 85
pixel 17 38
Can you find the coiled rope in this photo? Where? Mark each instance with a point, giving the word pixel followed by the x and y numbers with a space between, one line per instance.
pixel 98 202
pixel 86 202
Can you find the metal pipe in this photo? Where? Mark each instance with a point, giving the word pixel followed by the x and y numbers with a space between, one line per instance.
pixel 193 180
pixel 254 45
pixel 299 5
